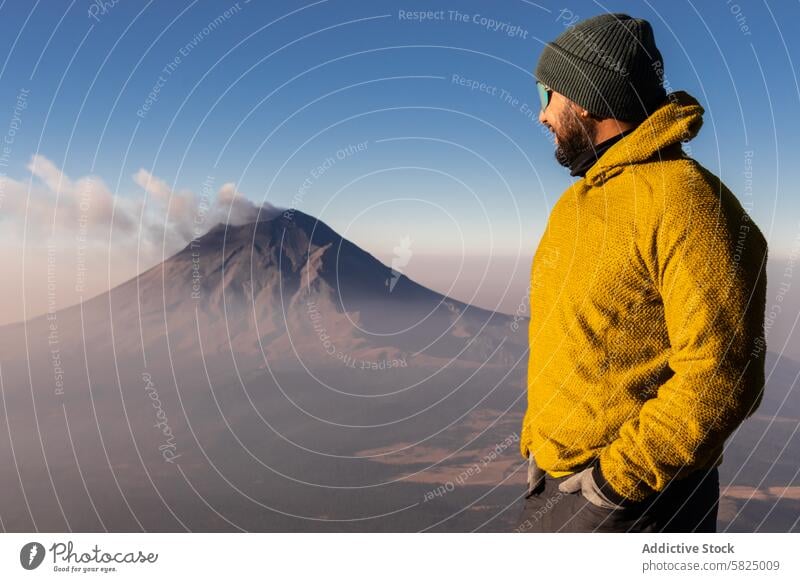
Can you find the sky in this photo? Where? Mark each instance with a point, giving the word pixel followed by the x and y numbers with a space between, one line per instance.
pixel 118 117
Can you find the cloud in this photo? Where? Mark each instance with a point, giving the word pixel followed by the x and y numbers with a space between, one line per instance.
pixel 155 186
pixel 57 205
pixel 101 238
pixel 233 208
pixel 183 215
pixel 47 171
pixel 51 204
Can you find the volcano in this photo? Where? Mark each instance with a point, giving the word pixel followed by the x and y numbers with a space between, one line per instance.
pixel 299 291
pixel 261 365
pixel 290 291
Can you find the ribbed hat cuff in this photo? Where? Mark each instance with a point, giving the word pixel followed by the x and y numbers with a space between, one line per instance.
pixel 600 90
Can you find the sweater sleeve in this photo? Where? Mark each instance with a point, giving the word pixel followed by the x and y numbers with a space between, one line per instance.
pixel 709 265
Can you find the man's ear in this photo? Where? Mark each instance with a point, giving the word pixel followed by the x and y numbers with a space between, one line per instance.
pixel 583 113
pixel 579 111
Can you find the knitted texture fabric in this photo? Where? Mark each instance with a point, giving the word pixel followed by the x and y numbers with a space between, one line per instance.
pixel 648 292
pixel 607 64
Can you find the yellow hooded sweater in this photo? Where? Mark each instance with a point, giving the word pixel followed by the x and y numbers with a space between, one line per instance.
pixel 646 337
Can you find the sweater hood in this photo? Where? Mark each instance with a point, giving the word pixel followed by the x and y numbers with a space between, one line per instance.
pixel 678 119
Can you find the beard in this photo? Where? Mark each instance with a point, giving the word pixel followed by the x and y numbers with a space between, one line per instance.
pixel 575 137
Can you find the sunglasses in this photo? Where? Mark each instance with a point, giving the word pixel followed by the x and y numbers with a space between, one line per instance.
pixel 545 93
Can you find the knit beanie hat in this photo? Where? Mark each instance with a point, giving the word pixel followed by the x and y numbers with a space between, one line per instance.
pixel 609 65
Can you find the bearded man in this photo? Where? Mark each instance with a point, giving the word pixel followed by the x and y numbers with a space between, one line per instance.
pixel 648 292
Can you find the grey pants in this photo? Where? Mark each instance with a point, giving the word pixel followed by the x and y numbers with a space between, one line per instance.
pixel 685 505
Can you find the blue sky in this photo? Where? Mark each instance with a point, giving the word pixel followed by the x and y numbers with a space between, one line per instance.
pixel 88 82
pixel 276 96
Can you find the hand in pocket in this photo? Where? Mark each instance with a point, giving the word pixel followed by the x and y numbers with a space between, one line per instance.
pixel 584 483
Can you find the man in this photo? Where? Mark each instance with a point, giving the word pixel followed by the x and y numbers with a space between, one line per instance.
pixel 648 291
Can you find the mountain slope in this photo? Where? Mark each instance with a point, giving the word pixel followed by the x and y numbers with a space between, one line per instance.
pixel 291 292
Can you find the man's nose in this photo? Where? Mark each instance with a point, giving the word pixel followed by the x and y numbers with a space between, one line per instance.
pixel 542 118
